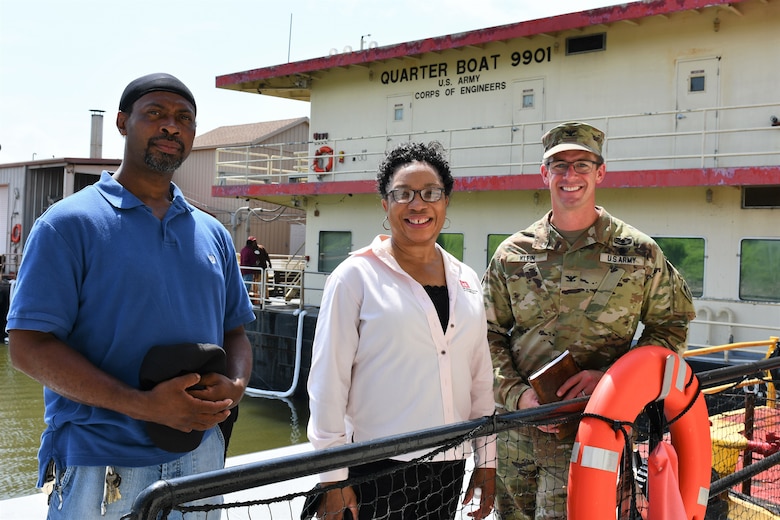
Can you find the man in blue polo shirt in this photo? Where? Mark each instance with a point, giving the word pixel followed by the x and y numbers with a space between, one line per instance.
pixel 138 272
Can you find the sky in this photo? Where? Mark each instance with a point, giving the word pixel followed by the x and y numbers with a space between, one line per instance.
pixel 61 59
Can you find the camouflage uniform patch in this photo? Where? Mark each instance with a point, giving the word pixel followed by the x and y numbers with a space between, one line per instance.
pixel 543 296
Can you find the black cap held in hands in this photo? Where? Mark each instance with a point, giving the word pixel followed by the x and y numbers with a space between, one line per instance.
pixel 166 362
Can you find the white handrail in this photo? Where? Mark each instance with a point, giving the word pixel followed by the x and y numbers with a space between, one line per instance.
pixel 259 392
pixel 511 150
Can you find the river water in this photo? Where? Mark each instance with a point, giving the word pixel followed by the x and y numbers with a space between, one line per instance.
pixel 263 424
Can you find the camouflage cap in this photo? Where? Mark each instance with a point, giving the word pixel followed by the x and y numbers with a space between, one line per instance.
pixel 573 135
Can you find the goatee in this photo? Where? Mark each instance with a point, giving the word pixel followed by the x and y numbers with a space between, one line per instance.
pixel 163 163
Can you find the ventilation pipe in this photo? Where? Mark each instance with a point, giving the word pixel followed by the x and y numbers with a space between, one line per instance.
pixel 96 135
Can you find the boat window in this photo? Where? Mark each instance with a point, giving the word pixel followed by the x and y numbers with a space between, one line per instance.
pixel 761 197
pixel 687 256
pixel 589 43
pixel 452 243
pixel 398 112
pixel 759 269
pixel 333 248
pixel 696 81
pixel 493 241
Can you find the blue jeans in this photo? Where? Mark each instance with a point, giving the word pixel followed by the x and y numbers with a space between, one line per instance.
pixel 248 278
pixel 79 493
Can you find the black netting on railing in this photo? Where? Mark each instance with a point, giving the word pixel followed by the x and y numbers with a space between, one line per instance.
pixel 745 456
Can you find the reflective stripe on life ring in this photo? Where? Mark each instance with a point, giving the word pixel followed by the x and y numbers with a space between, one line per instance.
pixel 643 375
pixel 16 233
pixel 318 164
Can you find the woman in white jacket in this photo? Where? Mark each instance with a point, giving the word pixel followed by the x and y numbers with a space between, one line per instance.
pixel 400 346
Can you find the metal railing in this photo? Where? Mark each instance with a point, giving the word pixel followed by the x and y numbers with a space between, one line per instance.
pixel 282 284
pixel 286 283
pixel 730 136
pixel 10 265
pixel 248 165
pixel 770 347
pixel 163 496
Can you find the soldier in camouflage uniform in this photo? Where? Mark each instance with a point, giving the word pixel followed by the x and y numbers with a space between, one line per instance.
pixel 578 279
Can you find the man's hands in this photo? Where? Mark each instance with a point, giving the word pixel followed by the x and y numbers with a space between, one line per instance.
pixel 216 387
pixel 176 404
pixel 579 385
pixel 529 399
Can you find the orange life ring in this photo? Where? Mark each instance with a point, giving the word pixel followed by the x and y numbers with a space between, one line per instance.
pixel 16 233
pixel 318 165
pixel 621 395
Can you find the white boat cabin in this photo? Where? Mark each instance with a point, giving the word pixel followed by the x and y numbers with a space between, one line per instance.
pixel 686 91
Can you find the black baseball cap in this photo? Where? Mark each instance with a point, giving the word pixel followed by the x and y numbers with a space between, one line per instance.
pixel 159 81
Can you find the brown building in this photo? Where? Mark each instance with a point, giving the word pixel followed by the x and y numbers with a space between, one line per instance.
pixel 280 229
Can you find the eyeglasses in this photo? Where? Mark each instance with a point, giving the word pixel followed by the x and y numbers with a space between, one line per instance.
pixel 583 166
pixel 405 195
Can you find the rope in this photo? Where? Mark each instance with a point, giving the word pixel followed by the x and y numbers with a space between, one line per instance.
pixel 626 463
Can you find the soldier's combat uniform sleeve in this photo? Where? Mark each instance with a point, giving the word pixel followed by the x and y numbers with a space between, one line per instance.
pixel 667 308
pixel 508 385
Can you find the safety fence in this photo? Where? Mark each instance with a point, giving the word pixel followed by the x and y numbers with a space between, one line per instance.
pixel 722 136
pixel 745 481
pixel 281 284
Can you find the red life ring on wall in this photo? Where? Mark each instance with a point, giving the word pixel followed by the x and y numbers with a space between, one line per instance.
pixel 318 164
pixel 16 233
pixel 621 395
